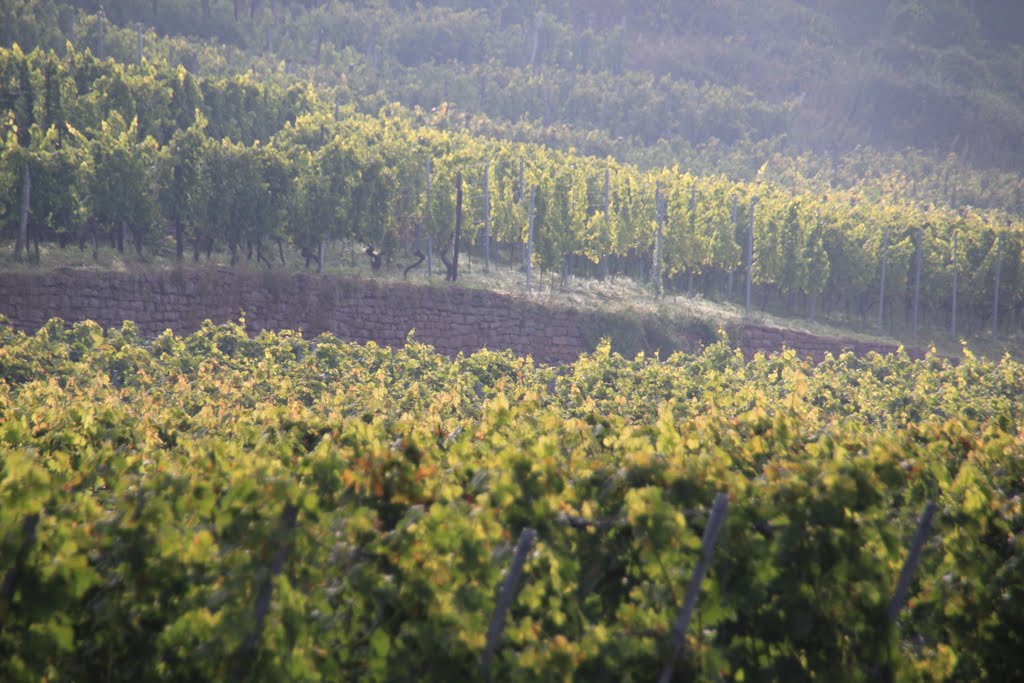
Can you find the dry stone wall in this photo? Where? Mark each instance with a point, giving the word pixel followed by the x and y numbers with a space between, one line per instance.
pixel 453 319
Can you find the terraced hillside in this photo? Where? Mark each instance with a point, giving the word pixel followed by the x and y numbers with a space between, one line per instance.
pixel 863 146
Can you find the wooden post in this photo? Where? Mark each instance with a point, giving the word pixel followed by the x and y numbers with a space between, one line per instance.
pixel 529 240
pixel 607 216
pixel 509 590
pixel 607 193
pixel 418 238
pixel 956 276
pixel 918 255
pixel 693 232
pixel 430 255
pixel 418 229
pixel 899 595
pixel 678 633
pixel 246 653
pixel 659 207
pixel 26 200
pixel 735 217
pixel 817 235
pixel 487 217
pixel 522 182
pixel 101 20
pixel 995 296
pixel 454 275
pixel 429 171
pixel 750 257
pixel 881 290
pixel 538 20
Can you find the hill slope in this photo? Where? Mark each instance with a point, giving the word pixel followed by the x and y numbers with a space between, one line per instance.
pixel 241 151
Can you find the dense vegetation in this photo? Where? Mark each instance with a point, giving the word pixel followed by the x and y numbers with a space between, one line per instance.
pixel 217 506
pixel 942 76
pixel 298 141
pixel 137 153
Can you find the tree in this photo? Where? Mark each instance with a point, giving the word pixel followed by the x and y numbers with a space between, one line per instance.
pixel 53 96
pixel 17 186
pixel 153 97
pixel 182 194
pixel 18 81
pixel 715 216
pixel 121 181
pixel 57 195
pixel 235 188
pixel 185 103
pixel 508 212
pixel 817 266
pixel 328 192
pixel 312 217
pixel 684 247
pixel 270 208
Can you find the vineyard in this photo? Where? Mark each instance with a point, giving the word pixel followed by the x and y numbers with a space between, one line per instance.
pixel 264 506
pixel 144 141
pixel 717 85
pixel 217 507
